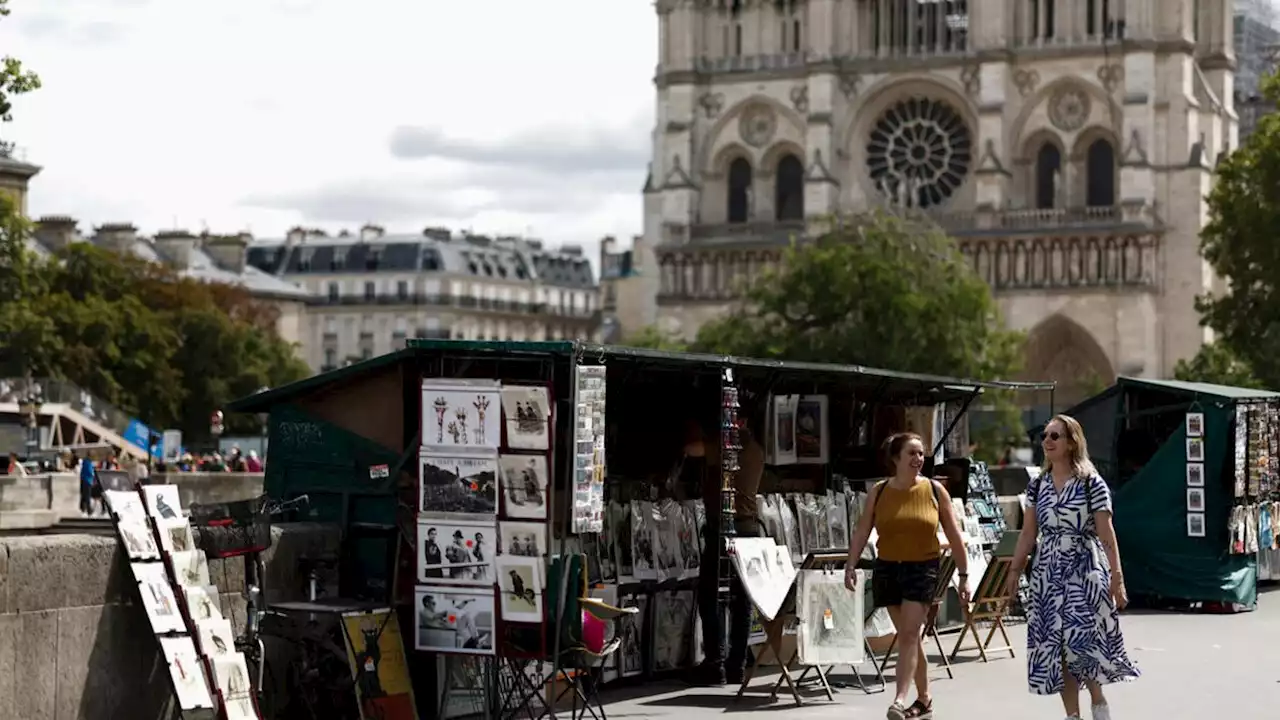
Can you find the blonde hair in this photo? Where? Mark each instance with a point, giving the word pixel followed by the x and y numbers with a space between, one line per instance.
pixel 1081 465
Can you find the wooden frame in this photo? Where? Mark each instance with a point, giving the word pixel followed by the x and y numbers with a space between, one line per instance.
pixel 946 569
pixel 989 603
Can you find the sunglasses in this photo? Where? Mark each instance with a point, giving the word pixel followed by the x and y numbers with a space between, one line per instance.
pixel 1052 436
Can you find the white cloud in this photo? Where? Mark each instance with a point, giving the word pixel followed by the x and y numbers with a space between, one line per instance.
pixel 498 115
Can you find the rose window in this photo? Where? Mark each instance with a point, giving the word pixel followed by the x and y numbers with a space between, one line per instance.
pixel 919 152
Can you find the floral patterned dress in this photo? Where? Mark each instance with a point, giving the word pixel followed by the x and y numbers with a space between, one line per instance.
pixel 1072 614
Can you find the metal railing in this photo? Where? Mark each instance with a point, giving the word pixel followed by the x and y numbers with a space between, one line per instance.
pixel 62 392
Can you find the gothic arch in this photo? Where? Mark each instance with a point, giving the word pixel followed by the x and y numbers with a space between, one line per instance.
pixel 790 126
pixel 777 151
pixel 719 167
pixel 1060 349
pixel 1100 98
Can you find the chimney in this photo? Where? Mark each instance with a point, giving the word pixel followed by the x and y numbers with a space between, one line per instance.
pixel 371 232
pixel 607 245
pixel 438 233
pixel 297 235
pixel 175 246
pixel 229 252
pixel 116 237
pixel 56 232
pixel 571 250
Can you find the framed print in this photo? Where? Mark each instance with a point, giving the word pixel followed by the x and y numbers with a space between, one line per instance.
pixel 456 552
pixel 527 410
pixel 1195 425
pixel 454 620
pixel 187 672
pixel 461 417
pixel 458 486
pixel 163 502
pixel 1195 500
pixel 524 486
pixel 157 597
pixel 520 588
pixel 139 543
pixel 1195 474
pixel 1195 524
pixel 1195 449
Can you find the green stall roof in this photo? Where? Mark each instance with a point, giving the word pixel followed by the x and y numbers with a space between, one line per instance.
pixel 943 388
pixel 1224 392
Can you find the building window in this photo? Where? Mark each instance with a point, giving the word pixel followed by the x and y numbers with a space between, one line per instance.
pixel 1047 31
pixel 919 152
pixel 330 358
pixel 739 190
pixel 334 292
pixel 402 289
pixel 1048 169
pixel 1100 172
pixel 789 189
pixel 370 290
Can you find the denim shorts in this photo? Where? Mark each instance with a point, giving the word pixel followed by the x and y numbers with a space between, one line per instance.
pixel 895 582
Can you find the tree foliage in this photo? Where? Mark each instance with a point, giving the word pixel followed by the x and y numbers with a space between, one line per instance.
pixel 14 78
pixel 654 339
pixel 1217 364
pixel 1239 243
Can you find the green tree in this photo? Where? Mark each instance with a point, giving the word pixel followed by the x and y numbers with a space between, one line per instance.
pixel 654 339
pixel 1215 363
pixel 1238 242
pixel 14 79
pixel 882 291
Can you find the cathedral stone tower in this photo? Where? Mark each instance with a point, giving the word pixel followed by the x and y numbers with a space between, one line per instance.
pixel 1067 145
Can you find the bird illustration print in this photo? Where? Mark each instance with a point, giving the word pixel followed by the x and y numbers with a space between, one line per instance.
pixel 162 507
pixel 482 405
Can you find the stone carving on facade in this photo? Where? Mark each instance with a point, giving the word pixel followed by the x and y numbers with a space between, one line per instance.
pixel 1069 109
pixel 990 162
pixel 757 125
pixel 1026 81
pixel 849 84
pixel 1135 154
pixel 818 170
pixel 800 98
pixel 711 103
pixel 1110 76
pixel 677 178
pixel 971 78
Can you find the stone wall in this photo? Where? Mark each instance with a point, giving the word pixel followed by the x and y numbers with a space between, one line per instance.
pixel 76 645
pixel 40 501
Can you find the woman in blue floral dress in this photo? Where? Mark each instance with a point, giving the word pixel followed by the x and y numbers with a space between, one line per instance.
pixel 1077 585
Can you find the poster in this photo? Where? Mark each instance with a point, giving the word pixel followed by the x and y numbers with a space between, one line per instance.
pixel 812 441
pixel 766 572
pixel 782 450
pixel 375 650
pixel 461 416
pixel 163 502
pixel 125 505
pixel 524 486
pixel 458 485
pixel 520 588
pixel 527 411
pixel 589 461
pixel 830 630
pixel 454 620
pixel 456 552
pixel 190 684
pixel 157 597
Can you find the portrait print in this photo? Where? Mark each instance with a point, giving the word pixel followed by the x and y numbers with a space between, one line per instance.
pixel 454 620
pixel 524 539
pixel 524 486
pixel 527 410
pixel 456 553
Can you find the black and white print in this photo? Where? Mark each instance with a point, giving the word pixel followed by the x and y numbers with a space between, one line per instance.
pixel 455 485
pixel 1195 425
pixel 139 543
pixel 524 486
pixel 643 541
pixel 203 603
pixel 461 416
pixel 756 562
pixel 217 639
pixel 454 620
pixel 632 630
pixel 457 552
pixel 520 587
pixel 672 629
pixel 176 537
pixel 125 505
pixel 191 568
pixel 1195 524
pixel 1195 449
pixel 187 672
pixel 163 502
pixel 1195 500
pixel 830 631
pixel 1195 474
pixel 523 539
pixel 527 410
pixel 812 443
pixel 157 597
pixel 232 676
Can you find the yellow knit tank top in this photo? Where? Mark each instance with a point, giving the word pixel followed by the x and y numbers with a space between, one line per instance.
pixel 906 523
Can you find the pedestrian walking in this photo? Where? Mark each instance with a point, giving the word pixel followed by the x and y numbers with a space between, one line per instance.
pixel 905 511
pixel 1077 584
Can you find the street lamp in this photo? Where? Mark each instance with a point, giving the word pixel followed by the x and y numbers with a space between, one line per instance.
pixel 215 424
pixel 29 410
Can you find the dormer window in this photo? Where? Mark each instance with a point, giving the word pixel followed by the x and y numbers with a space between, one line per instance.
pixel 372 260
pixel 339 260
pixel 304 260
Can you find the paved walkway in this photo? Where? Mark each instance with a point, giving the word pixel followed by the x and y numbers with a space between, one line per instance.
pixel 1195 667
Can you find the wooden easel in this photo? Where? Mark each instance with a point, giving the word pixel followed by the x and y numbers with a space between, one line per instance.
pixel 990 602
pixel 946 568
pixel 773 631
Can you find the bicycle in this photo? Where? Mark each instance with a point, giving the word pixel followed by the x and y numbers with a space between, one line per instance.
pixel 242 528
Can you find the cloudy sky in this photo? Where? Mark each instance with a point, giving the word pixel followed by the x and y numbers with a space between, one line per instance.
pixel 511 116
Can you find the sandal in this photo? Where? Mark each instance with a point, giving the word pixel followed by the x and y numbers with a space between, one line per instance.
pixel 897 711
pixel 920 710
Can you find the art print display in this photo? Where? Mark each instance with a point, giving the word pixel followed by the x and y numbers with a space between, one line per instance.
pixel 232 676
pixel 1195 449
pixel 163 502
pixel 454 620
pixel 125 505
pixel 632 629
pixel 520 588
pixel 190 684
pixel 203 603
pixel 157 597
pixel 1195 500
pixel 830 630
pixel 812 440
pixel 782 430
pixel 523 539
pixel 643 541
pixel 139 543
pixel 527 410
pixel 461 416
pixel 767 582
pixel 672 625
pixel 589 458
pixel 456 552
pixel 1241 451
pixel 176 537
pixel 688 536
pixel 815 531
pixel 524 486
pixel 1195 424
pixel 190 568
pixel 217 639
pixel 790 528
pixel 668 519
pixel 375 652
pixel 458 485
pixel 1195 524
pixel 606 545
pixel 838 528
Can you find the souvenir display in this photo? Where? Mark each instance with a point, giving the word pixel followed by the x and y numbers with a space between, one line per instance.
pixel 520 588
pixel 454 620
pixel 1241 451
pixel 1195 449
pixel 524 486
pixel 589 460
pixel 668 517
pixel 456 552
pixel 461 417
pixel 632 629
pixel 232 676
pixel 524 539
pixel 1195 525
pixel 1195 500
pixel 163 502
pixel 672 629
pixel 527 411
pixel 190 684
pixel 831 621
pixel 459 485
pixel 983 506
pixel 157 597
pixel 139 543
pixel 812 439
pixel 1195 474
pixel 1195 424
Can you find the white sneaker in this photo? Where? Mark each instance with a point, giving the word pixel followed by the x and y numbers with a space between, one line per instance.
pixel 1101 712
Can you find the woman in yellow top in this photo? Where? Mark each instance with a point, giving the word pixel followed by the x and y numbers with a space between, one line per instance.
pixel 905 511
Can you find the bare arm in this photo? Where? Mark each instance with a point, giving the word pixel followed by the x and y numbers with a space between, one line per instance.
pixel 858 539
pixel 951 528
pixel 1107 534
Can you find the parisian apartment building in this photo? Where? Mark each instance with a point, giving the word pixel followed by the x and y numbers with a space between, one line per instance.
pixel 369 290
